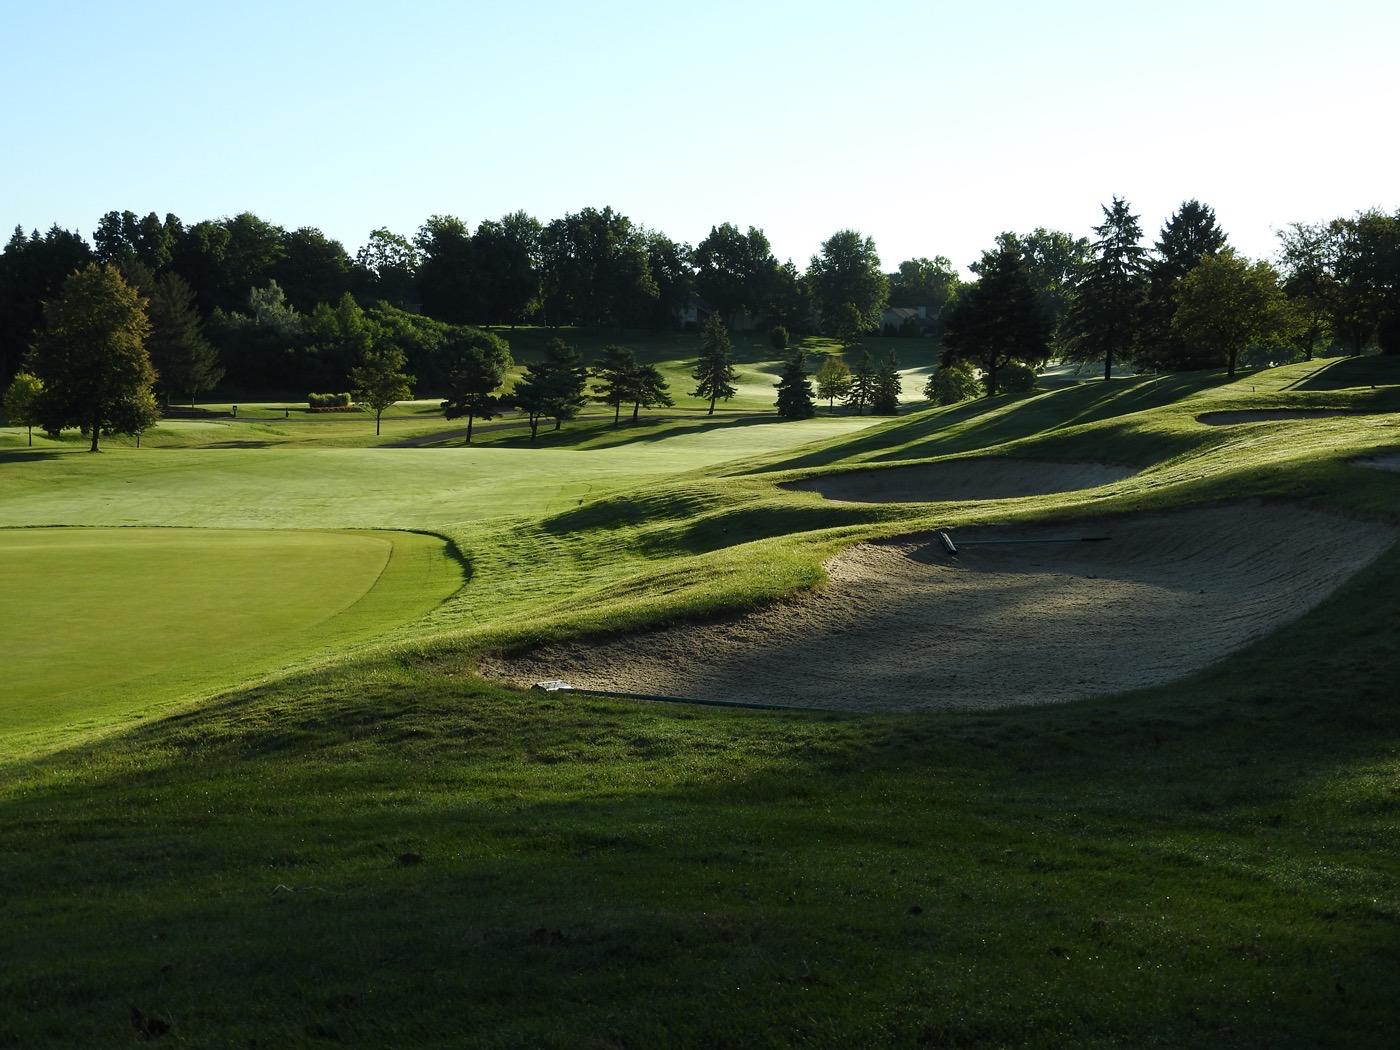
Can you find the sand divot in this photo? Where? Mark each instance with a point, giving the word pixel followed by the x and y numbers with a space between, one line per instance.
pixel 981 478
pixel 901 626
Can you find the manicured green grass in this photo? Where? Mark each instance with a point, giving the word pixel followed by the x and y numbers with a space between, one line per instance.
pixel 389 851
pixel 118 620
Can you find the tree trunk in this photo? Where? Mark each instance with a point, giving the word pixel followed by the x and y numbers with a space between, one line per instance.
pixel 712 405
pixel 31 435
pixel 558 422
pixel 534 427
pixel 1234 356
pixel 470 417
pixel 93 448
pixel 992 380
pixel 617 413
pixel 1108 364
pixel 636 408
pixel 376 423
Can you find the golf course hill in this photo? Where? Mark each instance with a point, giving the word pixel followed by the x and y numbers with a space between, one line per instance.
pixel 1064 717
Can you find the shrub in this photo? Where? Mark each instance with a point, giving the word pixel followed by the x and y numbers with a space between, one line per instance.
pixel 1015 378
pixel 778 336
pixel 329 402
pixel 953 383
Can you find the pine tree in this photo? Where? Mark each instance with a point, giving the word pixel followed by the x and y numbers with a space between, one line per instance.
pixel 714 373
pixel 833 381
pixel 475 366
pixel 885 398
pixel 617 370
pixel 650 390
pixel 1106 318
pixel 795 399
pixel 998 319
pixel 185 362
pixel 1189 236
pixel 553 387
pixel 862 391
pixel 92 359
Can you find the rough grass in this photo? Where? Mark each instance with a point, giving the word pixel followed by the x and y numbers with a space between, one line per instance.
pixel 392 852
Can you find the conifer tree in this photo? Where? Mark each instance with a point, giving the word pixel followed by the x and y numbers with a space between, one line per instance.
pixel 795 400
pixel 885 398
pixel 92 359
pixel 553 387
pixel 998 319
pixel 650 390
pixel 862 390
pixel 1105 321
pixel 185 362
pixel 474 367
pixel 617 370
pixel 1189 236
pixel 714 373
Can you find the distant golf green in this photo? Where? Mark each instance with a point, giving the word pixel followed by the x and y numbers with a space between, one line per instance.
pixel 116 619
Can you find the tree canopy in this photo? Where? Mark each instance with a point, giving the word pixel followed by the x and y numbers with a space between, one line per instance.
pixel 714 373
pixel 91 357
pixel 1226 305
pixel 998 319
pixel 473 366
pixel 379 380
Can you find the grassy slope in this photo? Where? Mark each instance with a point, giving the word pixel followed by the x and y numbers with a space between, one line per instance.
pixel 1209 863
pixel 118 620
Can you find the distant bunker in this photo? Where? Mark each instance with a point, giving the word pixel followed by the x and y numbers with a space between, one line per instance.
pixel 981 478
pixel 1265 415
pixel 903 625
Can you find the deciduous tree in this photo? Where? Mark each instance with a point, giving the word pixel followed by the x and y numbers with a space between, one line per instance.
pixel 847 271
pixel 1190 235
pixel 833 381
pixel 92 358
pixel 21 402
pixel 1227 305
pixel 379 380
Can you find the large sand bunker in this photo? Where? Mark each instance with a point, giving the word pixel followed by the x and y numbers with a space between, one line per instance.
pixel 1263 415
pixel 962 479
pixel 903 626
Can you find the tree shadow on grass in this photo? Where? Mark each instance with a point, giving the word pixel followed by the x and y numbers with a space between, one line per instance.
pixel 1342 373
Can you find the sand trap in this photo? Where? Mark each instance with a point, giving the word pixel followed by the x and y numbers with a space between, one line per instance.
pixel 1386 461
pixel 902 626
pixel 962 479
pixel 1227 419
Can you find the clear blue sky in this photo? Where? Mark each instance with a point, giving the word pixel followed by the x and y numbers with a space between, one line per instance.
pixel 929 125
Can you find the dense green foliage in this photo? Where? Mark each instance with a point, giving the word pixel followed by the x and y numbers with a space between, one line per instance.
pixel 999 319
pixel 380 381
pixel 833 380
pixel 795 396
pixel 92 359
pixel 1106 319
pixel 21 403
pixel 952 383
pixel 714 373
pixel 473 366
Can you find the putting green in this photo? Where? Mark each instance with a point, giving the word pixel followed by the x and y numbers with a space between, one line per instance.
pixel 105 623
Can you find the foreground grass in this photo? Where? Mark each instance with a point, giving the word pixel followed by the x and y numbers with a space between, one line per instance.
pixel 391 851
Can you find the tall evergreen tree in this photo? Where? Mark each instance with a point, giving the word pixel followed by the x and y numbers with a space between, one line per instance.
pixel 92 359
pixel 885 401
pixel 650 390
pixel 795 399
pixel 185 362
pixel 1106 318
pixel 473 366
pixel 616 371
pixel 861 391
pixel 714 373
pixel 1188 236
pixel 998 319
pixel 553 387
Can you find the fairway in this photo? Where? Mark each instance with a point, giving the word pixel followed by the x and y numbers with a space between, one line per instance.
pixel 117 619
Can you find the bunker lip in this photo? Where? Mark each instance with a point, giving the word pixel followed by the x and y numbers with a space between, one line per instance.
pixel 903 626
pixel 951 480
pixel 1265 415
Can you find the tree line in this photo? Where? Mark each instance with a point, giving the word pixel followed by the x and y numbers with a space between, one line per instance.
pixel 1189 302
